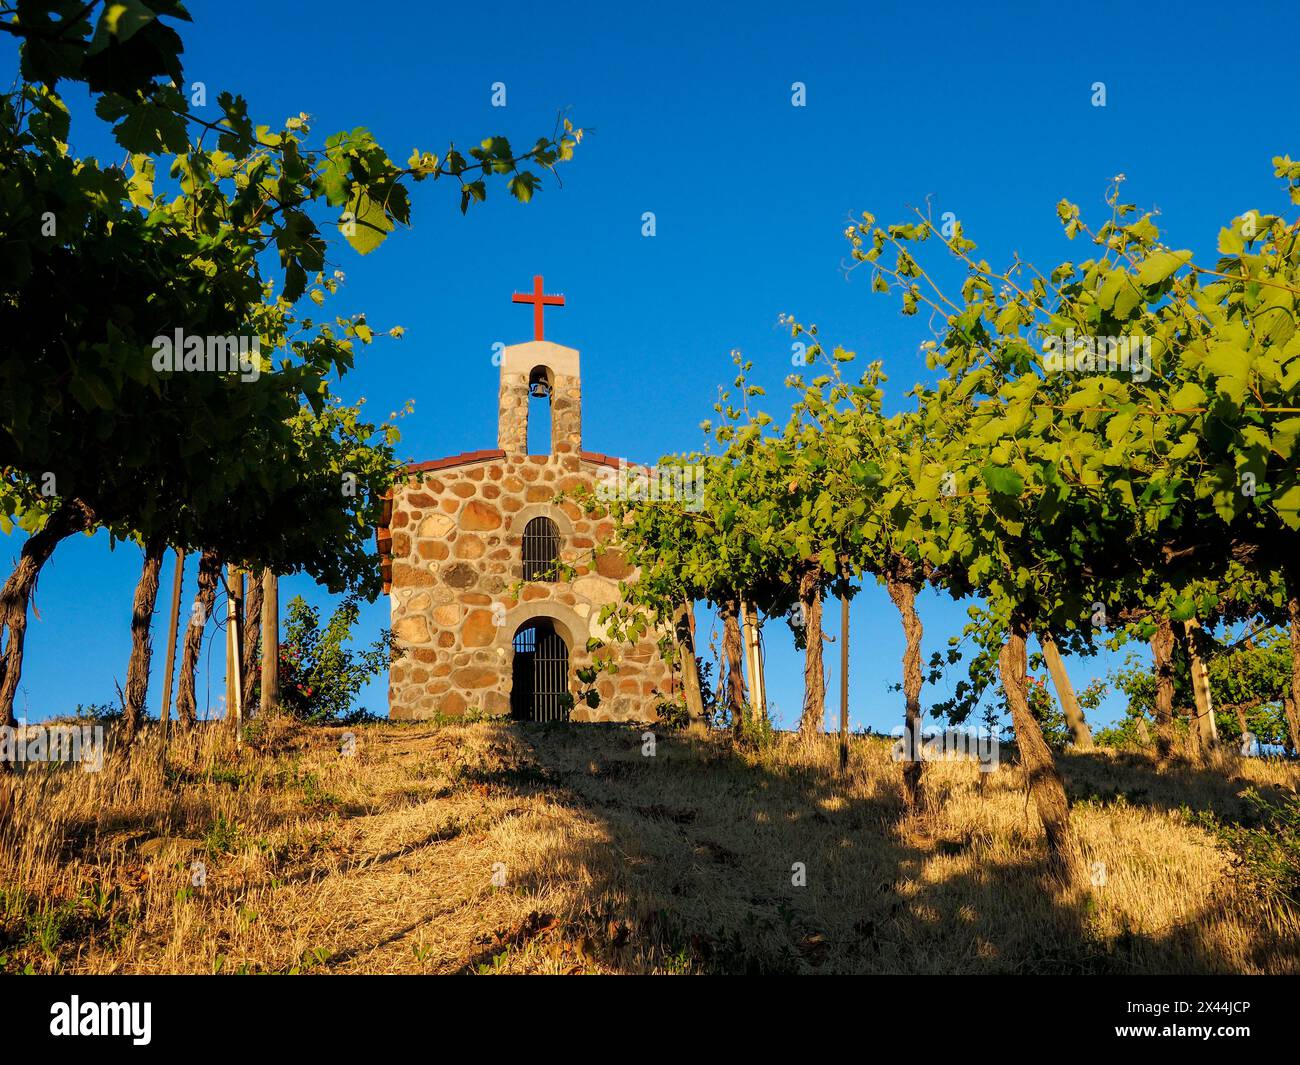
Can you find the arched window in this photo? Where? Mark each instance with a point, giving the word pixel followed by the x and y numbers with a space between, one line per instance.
pixel 541 549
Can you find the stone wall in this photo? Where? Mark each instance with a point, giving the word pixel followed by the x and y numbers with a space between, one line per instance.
pixel 455 537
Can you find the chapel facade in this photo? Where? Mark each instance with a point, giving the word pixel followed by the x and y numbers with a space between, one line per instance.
pixel 460 534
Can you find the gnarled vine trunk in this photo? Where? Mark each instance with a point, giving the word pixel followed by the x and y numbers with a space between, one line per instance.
pixel 1080 733
pixel 1293 616
pixel 137 670
pixel 733 654
pixel 813 720
pixel 684 628
pixel 1242 724
pixel 1289 706
pixel 209 572
pixel 1162 653
pixel 904 596
pixel 252 634
pixel 1045 784
pixel 71 516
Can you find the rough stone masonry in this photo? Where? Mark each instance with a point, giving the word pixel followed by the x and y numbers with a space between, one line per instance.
pixel 451 547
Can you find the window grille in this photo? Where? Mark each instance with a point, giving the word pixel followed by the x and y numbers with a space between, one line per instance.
pixel 541 549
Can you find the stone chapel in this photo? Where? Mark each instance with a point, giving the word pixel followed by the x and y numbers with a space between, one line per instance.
pixel 460 533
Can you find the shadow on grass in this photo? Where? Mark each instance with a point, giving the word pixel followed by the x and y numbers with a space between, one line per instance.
pixel 715 861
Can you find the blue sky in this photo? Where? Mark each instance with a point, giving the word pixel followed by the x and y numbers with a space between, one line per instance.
pixel 982 110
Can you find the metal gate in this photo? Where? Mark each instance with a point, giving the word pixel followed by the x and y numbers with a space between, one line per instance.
pixel 540 676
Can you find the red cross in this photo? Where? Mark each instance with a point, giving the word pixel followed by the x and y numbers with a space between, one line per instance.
pixel 538 300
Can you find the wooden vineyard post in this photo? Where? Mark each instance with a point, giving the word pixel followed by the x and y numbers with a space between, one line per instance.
pixel 754 660
pixel 234 677
pixel 844 683
pixel 164 714
pixel 270 641
pixel 1202 695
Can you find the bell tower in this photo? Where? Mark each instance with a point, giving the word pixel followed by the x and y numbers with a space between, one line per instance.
pixel 539 370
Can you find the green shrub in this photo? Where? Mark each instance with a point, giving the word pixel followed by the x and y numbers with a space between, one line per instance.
pixel 755 732
pixel 1049 715
pixel 320 677
pixel 1266 843
pixel 673 715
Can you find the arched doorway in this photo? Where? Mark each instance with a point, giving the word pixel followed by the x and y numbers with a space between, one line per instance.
pixel 540 673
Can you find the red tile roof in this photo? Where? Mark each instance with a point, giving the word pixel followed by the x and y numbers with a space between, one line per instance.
pixel 610 460
pixel 463 459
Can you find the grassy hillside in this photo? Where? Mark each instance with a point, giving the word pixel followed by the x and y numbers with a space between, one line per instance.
pixel 612 861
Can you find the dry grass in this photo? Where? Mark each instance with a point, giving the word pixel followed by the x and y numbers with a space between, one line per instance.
pixel 612 861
